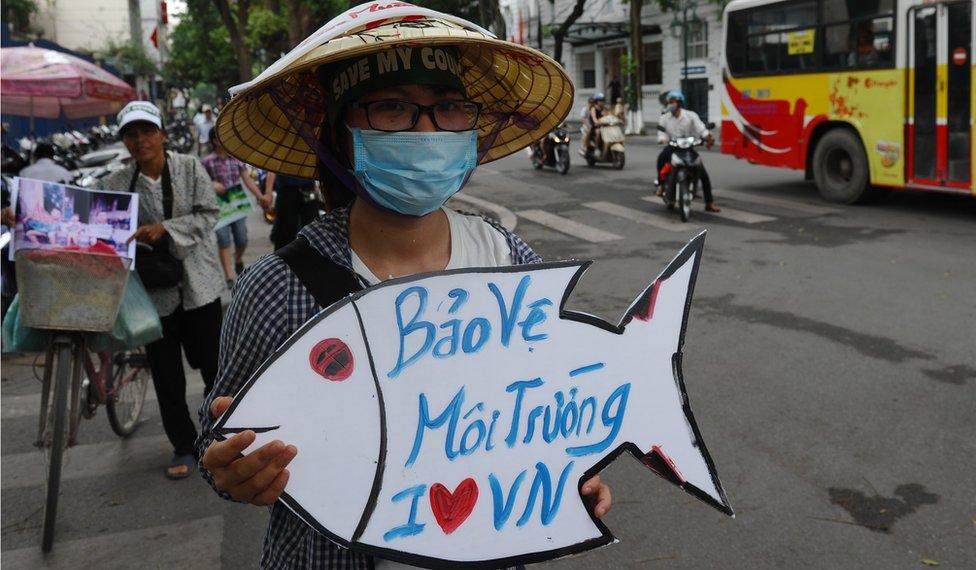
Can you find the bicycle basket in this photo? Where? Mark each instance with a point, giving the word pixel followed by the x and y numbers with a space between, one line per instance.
pixel 70 290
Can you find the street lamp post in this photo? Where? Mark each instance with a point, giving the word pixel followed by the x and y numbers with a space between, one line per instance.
pixel 682 28
pixel 684 35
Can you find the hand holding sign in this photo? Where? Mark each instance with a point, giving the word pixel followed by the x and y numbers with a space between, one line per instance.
pixel 258 478
pixel 457 410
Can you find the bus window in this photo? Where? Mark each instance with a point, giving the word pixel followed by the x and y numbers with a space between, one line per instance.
pixel 837 45
pixel 839 10
pixel 735 48
pixel 796 50
pixel 792 15
pixel 960 91
pixel 873 44
pixel 762 53
pixel 862 44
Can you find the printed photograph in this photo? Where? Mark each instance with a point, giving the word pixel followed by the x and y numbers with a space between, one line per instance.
pixel 56 216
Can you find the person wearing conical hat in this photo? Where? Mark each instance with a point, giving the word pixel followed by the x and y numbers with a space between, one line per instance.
pixel 391 107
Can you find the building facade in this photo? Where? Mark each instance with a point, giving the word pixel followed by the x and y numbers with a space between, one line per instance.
pixel 597 43
pixel 91 26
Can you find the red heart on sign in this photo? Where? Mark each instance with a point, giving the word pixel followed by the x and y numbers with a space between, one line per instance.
pixel 452 509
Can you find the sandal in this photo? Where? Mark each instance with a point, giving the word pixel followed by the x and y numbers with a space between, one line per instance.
pixel 174 471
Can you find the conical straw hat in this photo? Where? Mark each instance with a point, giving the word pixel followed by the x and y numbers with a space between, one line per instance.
pixel 271 121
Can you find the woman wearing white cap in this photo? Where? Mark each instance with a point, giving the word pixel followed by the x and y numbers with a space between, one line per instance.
pixel 392 114
pixel 177 213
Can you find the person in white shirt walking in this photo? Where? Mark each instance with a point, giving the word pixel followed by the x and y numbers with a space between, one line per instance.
pixel 203 128
pixel 677 123
pixel 44 167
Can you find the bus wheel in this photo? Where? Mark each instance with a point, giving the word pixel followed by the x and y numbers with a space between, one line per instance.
pixel 841 168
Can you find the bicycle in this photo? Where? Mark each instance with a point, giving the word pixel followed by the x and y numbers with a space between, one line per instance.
pixel 73 294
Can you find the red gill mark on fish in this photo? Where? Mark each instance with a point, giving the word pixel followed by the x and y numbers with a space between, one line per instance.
pixel 331 359
pixel 659 462
pixel 646 314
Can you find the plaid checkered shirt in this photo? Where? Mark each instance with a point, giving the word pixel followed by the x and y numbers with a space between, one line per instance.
pixel 224 169
pixel 270 304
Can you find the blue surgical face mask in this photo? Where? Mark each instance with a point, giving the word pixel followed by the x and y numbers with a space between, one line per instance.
pixel 412 173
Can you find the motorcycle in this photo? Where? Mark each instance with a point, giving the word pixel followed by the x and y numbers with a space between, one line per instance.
pixel 179 136
pixel 607 144
pixel 97 165
pixel 556 151
pixel 682 177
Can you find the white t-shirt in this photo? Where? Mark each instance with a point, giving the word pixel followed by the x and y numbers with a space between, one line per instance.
pixel 474 243
pixel 686 124
pixel 203 130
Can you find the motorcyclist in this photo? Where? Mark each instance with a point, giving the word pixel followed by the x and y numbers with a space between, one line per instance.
pixel 596 111
pixel 675 123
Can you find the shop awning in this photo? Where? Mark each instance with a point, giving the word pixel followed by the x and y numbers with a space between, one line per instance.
pixel 586 33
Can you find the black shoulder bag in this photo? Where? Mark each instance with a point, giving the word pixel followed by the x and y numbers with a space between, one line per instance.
pixel 325 280
pixel 157 267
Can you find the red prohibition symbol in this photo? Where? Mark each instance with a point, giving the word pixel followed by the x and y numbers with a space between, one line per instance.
pixel 331 359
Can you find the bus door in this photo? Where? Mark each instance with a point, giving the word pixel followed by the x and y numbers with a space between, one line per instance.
pixel 940 86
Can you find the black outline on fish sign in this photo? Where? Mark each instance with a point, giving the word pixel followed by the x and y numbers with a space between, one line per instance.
pixel 655 460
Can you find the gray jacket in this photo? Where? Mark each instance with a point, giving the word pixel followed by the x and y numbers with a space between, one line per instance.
pixel 191 229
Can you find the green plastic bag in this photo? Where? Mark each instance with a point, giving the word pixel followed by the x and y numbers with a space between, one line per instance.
pixel 137 325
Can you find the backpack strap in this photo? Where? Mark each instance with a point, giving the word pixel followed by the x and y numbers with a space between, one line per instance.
pixel 323 278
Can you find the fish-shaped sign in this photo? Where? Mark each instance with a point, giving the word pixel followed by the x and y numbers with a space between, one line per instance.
pixel 448 420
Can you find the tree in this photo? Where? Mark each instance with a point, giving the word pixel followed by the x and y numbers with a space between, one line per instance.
pixel 235 18
pixel 468 9
pixel 636 78
pixel 299 21
pixel 130 58
pixel 18 14
pixel 560 31
pixel 201 51
pixel 491 17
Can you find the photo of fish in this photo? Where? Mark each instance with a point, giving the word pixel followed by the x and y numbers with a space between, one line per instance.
pixel 449 419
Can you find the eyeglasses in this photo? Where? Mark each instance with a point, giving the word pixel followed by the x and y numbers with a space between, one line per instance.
pixel 393 116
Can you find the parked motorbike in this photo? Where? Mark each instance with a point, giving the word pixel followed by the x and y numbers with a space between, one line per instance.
pixel 552 151
pixel 97 165
pixel 607 144
pixel 682 176
pixel 13 161
pixel 179 136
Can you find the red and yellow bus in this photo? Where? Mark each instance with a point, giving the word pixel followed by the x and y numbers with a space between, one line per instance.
pixel 861 94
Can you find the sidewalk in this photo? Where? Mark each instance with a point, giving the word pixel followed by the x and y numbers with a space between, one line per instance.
pixel 113 491
pixel 258 244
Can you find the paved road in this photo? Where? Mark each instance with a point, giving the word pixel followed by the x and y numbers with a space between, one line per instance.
pixel 830 360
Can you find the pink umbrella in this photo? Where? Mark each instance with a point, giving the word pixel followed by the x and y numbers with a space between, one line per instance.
pixel 37 82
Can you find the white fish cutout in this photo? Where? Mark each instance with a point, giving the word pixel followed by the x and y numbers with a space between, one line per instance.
pixel 448 420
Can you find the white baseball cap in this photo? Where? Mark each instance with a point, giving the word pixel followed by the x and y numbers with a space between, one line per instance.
pixel 140 111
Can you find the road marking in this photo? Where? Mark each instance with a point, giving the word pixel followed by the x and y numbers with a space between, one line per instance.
pixel 185 544
pixel 505 216
pixel 673 225
pixel 778 202
pixel 29 405
pixel 569 227
pixel 729 213
pixel 28 469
